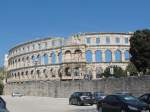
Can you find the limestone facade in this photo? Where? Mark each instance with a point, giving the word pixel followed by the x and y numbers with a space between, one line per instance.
pixel 77 57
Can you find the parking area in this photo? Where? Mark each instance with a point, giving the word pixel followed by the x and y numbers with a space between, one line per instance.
pixel 43 104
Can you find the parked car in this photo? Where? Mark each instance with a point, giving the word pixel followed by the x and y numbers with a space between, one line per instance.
pixel 145 98
pixel 81 98
pixel 3 105
pixel 98 96
pixel 121 103
pixel 18 94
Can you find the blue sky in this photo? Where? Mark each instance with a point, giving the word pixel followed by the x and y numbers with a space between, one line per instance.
pixel 23 20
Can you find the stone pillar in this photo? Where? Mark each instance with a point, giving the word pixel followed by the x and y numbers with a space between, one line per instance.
pixel 122 56
pixel 94 73
pixel 103 55
pixel 42 59
pixel 57 59
pixel 49 58
pixel 93 56
pixel 113 55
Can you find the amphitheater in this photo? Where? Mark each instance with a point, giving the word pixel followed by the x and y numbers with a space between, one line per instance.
pixel 81 56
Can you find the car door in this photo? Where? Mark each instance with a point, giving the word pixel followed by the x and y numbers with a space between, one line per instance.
pixel 111 104
pixel 144 98
pixel 2 104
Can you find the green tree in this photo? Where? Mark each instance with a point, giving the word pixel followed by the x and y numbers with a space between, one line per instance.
pixel 140 50
pixel 2 76
pixel 117 72
pixel 131 69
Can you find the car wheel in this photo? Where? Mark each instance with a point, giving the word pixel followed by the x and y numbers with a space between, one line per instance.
pixel 78 103
pixel 123 111
pixel 70 102
pixel 100 109
pixel 91 103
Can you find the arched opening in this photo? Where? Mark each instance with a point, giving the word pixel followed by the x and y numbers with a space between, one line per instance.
pixel 89 56
pixel 45 73
pixel 98 56
pixel 53 59
pixel 33 58
pixel 118 56
pixel 60 56
pixel 19 75
pixel 39 58
pixel 108 56
pixel 127 55
pixel 38 73
pixel 68 56
pixel 78 55
pixel 76 71
pixel 45 59
pixel 67 71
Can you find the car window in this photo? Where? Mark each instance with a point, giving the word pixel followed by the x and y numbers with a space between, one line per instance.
pixel 111 99
pixel 144 97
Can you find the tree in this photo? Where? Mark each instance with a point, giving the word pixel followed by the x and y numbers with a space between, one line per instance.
pixel 140 50
pixel 131 69
pixel 2 76
pixel 117 72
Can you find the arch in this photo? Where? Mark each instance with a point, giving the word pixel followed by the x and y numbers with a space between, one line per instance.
pixel 27 58
pixel 60 57
pixel 38 58
pixel 108 55
pixel 67 52
pixel 53 59
pixel 77 51
pixel 127 55
pixel 32 72
pixel 23 59
pixel 45 73
pixel 38 73
pixel 26 72
pixel 33 58
pixel 68 56
pixel 78 55
pixel 117 55
pixel 98 55
pixel 89 56
pixel 45 59
pixel 68 71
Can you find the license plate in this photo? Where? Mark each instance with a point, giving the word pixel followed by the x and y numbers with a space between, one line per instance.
pixel 87 98
pixel 145 111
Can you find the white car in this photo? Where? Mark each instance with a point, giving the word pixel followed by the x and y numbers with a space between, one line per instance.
pixel 17 94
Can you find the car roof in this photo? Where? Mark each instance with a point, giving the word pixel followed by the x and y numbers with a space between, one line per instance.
pixel 146 94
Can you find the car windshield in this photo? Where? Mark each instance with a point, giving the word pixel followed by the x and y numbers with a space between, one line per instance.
pixel 129 99
pixel 86 94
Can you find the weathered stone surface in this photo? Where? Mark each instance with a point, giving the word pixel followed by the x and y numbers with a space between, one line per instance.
pixel 135 85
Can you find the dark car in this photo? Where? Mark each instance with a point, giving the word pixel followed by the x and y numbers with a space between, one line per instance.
pixel 3 105
pixel 98 96
pixel 121 103
pixel 81 98
pixel 145 98
pixel 124 93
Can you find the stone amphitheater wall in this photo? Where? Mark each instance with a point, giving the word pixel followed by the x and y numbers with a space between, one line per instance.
pixel 63 89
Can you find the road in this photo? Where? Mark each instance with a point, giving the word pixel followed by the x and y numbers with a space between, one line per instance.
pixel 43 104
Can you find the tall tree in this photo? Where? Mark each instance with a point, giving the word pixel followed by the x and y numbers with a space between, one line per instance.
pixel 131 69
pixel 140 50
